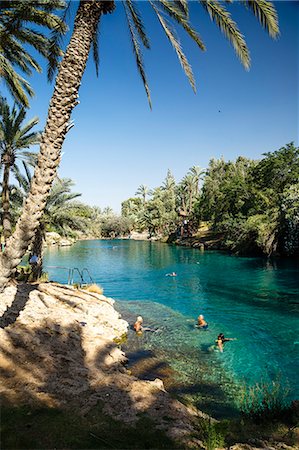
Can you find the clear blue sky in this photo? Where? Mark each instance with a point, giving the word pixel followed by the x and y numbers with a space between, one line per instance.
pixel 118 143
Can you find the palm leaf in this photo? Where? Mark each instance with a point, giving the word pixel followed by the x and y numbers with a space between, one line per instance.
pixel 137 51
pixel 173 11
pixel 177 46
pixel 55 43
pixel 229 28
pixel 16 84
pixel 136 18
pixel 266 14
pixel 95 47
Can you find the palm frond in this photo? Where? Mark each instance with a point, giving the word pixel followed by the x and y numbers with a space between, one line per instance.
pixel 173 11
pixel 55 43
pixel 138 24
pixel 266 14
pixel 95 47
pixel 229 28
pixel 137 51
pixel 176 45
pixel 16 84
pixel 183 6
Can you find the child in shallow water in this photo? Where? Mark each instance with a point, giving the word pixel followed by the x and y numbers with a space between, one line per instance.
pixel 221 340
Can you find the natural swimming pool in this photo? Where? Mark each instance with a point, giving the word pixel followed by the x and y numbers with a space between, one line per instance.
pixel 251 299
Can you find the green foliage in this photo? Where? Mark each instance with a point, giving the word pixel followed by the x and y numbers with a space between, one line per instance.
pixel 265 401
pixel 255 204
pixel 211 434
pixel 113 226
pixel 18 22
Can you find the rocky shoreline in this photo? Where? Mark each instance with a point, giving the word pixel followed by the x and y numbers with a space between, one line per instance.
pixel 60 348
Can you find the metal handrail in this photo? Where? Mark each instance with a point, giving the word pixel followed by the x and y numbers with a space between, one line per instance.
pixel 71 271
pixel 88 273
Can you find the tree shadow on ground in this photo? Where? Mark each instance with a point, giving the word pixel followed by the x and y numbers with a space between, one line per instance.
pixel 53 395
pixel 13 311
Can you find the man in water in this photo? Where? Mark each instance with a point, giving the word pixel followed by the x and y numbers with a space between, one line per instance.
pixel 172 274
pixel 139 328
pixel 220 341
pixel 201 323
pixel 138 325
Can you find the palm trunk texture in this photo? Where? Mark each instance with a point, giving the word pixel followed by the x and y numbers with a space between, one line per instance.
pixel 37 249
pixel 6 218
pixel 63 101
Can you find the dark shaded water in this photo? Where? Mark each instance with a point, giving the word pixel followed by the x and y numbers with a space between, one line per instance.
pixel 251 299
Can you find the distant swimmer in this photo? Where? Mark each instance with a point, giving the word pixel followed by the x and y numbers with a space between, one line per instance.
pixel 138 325
pixel 139 328
pixel 172 274
pixel 201 323
pixel 221 339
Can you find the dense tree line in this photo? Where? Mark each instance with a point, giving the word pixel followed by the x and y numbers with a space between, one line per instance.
pixel 255 204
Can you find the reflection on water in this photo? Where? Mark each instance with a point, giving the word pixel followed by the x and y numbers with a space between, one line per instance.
pixel 251 299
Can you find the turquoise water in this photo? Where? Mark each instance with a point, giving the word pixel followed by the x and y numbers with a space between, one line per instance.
pixel 251 299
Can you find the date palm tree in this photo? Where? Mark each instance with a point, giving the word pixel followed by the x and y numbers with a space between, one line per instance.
pixel 17 33
pixel 15 138
pixel 62 214
pixel 69 77
pixel 143 191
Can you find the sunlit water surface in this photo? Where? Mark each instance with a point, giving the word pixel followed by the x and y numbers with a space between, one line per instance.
pixel 251 299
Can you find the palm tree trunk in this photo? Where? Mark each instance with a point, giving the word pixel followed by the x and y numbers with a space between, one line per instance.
pixel 37 249
pixel 6 217
pixel 63 101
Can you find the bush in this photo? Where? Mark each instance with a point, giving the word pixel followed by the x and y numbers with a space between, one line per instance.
pixel 94 288
pixel 211 434
pixel 265 401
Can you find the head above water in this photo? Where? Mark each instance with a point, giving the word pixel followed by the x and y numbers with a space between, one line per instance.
pixel 201 316
pixel 139 319
pixel 221 336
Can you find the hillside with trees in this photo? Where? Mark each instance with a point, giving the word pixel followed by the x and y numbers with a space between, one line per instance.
pixel 252 204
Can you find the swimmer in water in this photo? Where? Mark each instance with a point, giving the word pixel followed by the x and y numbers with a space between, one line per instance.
pixel 172 274
pixel 139 328
pixel 138 325
pixel 201 323
pixel 221 339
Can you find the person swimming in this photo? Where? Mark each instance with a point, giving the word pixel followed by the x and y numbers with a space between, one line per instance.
pixel 221 339
pixel 172 274
pixel 201 323
pixel 138 325
pixel 139 328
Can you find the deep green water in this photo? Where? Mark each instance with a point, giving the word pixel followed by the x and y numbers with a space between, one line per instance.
pixel 251 299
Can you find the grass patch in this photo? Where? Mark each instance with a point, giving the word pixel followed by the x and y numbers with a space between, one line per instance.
pixel 265 401
pixel 46 428
pixel 211 433
pixel 94 288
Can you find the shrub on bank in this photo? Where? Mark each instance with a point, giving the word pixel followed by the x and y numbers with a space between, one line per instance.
pixel 266 401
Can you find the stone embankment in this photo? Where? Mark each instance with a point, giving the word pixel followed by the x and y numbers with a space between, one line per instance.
pixel 53 238
pixel 204 240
